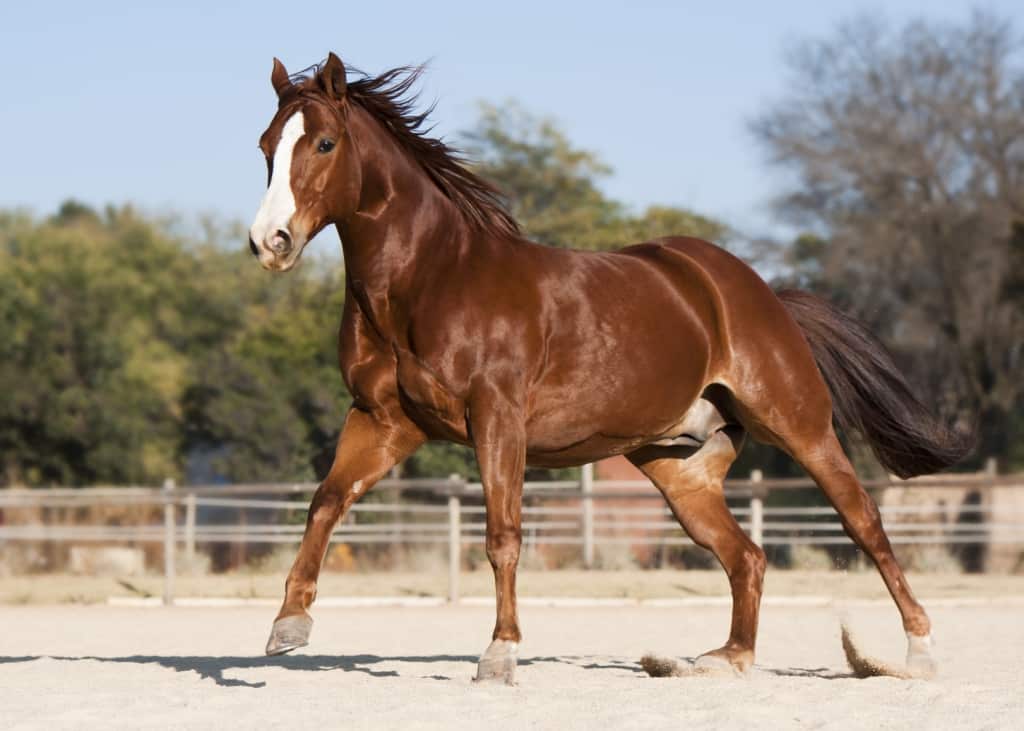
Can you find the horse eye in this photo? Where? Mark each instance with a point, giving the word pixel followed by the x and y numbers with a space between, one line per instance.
pixel 325 146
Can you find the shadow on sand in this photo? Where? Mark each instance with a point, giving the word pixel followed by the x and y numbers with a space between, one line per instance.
pixel 214 667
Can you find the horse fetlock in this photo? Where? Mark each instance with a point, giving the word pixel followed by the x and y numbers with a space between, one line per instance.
pixel 300 593
pixel 918 625
pixel 498 663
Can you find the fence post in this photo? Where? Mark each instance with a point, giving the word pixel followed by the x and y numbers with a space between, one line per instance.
pixel 757 508
pixel 454 538
pixel 991 466
pixel 170 544
pixel 190 531
pixel 587 489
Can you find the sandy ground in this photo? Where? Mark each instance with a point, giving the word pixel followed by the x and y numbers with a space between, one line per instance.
pixel 862 584
pixel 89 666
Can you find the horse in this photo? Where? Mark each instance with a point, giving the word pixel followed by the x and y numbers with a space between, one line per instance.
pixel 456 327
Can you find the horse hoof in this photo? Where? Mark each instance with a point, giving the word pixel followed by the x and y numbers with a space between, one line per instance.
pixel 717 663
pixel 498 663
pixel 920 663
pixel 289 633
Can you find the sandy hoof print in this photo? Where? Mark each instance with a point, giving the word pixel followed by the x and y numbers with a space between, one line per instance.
pixel 498 663
pixel 289 633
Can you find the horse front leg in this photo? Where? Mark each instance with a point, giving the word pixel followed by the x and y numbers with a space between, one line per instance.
pixel 499 436
pixel 369 445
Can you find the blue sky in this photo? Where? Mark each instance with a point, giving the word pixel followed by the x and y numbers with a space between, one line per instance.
pixel 162 104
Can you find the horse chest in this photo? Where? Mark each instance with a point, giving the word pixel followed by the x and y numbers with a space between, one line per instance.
pixel 435 405
pixel 382 373
pixel 383 380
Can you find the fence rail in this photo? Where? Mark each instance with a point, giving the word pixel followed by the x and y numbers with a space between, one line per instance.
pixel 587 513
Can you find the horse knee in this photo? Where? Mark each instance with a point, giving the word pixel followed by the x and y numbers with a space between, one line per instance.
pixel 746 566
pixel 751 564
pixel 756 561
pixel 503 546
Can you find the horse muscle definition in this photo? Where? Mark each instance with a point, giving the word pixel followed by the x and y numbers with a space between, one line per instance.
pixel 456 327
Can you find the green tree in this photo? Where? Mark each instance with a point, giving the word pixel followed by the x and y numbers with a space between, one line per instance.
pixel 127 352
pixel 267 402
pixel 90 368
pixel 553 187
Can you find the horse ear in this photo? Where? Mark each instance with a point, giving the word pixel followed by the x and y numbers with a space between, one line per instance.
pixel 279 78
pixel 332 77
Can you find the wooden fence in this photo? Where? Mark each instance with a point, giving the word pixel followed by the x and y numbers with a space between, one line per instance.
pixel 587 513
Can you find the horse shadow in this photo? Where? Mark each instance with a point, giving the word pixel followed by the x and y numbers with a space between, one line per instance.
pixel 213 668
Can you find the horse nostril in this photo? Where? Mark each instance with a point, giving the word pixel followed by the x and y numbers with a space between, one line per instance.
pixel 252 247
pixel 281 242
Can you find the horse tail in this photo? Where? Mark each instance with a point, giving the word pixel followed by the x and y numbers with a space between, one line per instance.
pixel 869 393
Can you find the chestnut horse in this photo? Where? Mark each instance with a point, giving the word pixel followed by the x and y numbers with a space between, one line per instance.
pixel 456 327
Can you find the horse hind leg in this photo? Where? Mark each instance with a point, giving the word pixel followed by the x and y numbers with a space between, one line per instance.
pixel 830 468
pixel 804 431
pixel 691 481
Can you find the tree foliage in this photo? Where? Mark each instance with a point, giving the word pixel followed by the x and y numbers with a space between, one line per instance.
pixel 553 187
pixel 908 152
pixel 129 352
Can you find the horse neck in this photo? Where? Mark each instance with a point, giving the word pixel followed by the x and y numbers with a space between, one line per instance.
pixel 403 221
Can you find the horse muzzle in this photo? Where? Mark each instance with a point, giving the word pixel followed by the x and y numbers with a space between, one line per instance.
pixel 278 249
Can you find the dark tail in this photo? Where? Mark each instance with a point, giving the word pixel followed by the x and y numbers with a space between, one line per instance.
pixel 870 395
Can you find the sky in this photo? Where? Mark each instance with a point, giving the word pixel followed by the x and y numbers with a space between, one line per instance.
pixel 162 104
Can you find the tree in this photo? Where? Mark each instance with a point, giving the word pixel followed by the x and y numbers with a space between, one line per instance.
pixel 127 354
pixel 89 368
pixel 908 150
pixel 552 187
pixel 267 402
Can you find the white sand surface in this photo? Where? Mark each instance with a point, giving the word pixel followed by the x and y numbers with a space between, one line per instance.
pixel 410 668
pixel 637 584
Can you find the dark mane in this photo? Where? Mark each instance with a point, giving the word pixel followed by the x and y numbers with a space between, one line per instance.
pixel 391 100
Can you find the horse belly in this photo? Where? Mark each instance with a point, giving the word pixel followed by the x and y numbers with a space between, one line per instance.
pixel 618 396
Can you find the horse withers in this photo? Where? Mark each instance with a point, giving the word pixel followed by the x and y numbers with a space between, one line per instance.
pixel 456 327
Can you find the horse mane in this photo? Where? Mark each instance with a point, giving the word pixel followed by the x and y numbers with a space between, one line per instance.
pixel 390 98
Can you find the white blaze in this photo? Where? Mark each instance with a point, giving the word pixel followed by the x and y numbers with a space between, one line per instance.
pixel 278 204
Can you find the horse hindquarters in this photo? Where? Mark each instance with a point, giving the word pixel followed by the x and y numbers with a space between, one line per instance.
pixel 782 398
